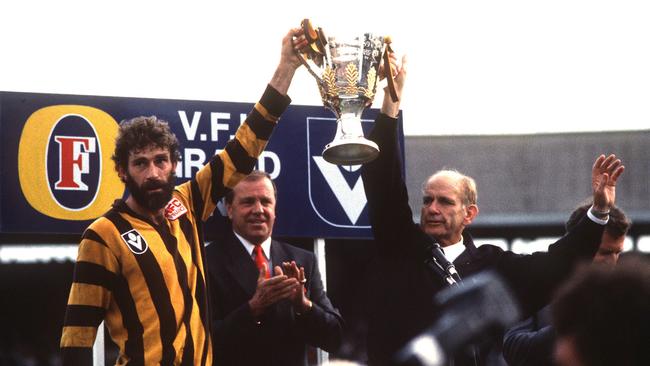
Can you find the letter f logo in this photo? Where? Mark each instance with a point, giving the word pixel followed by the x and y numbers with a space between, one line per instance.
pixel 73 161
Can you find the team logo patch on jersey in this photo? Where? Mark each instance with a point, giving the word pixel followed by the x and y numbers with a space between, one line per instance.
pixel 135 241
pixel 175 209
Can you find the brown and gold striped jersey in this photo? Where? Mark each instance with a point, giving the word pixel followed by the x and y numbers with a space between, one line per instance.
pixel 148 281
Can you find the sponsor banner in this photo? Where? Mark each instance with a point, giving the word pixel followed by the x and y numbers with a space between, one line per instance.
pixel 57 173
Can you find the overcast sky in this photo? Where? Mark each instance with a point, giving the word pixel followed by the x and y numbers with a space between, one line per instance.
pixel 479 66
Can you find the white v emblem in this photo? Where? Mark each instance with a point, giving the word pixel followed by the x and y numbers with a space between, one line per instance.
pixel 353 200
pixel 135 241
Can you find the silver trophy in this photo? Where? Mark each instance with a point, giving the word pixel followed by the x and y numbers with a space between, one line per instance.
pixel 346 71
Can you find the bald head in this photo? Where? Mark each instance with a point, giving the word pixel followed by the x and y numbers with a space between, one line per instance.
pixel 448 205
pixel 465 185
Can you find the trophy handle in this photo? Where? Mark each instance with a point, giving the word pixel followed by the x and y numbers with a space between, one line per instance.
pixel 303 60
pixel 314 46
pixel 390 73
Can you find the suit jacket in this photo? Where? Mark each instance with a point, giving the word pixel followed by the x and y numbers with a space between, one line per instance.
pixel 401 293
pixel 280 336
pixel 530 342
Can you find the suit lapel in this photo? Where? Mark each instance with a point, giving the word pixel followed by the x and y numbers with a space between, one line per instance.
pixel 240 265
pixel 279 254
pixel 464 262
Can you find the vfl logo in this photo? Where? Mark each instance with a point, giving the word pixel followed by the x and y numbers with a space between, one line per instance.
pixel 135 241
pixel 332 183
pixel 64 162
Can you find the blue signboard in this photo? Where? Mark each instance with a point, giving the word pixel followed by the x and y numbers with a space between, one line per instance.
pixel 57 173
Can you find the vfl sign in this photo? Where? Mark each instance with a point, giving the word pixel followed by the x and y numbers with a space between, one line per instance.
pixel 329 183
pixel 64 162
pixel 56 172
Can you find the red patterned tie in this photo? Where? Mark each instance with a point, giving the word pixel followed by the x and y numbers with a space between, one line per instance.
pixel 260 260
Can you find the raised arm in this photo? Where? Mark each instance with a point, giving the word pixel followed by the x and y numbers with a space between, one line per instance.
pixel 240 155
pixel 390 215
pixel 534 277
pixel 289 61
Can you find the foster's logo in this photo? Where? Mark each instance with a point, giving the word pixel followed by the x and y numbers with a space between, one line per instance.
pixel 73 162
pixel 64 162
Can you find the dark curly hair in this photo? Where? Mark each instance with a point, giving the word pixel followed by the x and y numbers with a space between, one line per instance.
pixel 140 133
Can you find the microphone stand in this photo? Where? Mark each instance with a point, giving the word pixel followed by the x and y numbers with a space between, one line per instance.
pixel 448 272
pixel 446 269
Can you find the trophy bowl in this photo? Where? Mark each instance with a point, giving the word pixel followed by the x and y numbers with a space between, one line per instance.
pixel 346 71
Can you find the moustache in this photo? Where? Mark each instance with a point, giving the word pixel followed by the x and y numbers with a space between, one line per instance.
pixel 155 184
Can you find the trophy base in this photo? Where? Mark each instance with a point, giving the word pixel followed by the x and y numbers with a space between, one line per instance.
pixel 354 151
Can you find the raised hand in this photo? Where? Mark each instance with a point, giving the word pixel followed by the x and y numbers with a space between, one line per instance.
pixel 293 41
pixel 604 176
pixel 289 60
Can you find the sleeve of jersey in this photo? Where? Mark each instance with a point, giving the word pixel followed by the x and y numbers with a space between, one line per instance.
pixel 90 293
pixel 239 156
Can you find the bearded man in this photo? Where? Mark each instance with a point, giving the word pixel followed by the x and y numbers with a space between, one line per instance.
pixel 140 267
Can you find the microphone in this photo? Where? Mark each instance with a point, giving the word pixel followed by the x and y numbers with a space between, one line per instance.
pixel 437 261
pixel 474 313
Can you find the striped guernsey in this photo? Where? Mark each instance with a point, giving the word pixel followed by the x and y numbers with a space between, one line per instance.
pixel 148 281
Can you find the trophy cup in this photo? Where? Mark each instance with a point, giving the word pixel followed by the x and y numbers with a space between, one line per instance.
pixel 346 71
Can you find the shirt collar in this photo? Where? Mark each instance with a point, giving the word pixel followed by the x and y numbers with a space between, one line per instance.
pixel 455 250
pixel 266 245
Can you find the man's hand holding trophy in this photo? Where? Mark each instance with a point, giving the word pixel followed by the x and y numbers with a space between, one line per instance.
pixel 347 71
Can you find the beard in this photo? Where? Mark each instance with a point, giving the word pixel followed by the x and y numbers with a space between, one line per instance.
pixel 144 196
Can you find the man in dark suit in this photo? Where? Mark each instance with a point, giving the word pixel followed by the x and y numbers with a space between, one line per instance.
pixel 401 293
pixel 531 342
pixel 259 319
pixel 601 315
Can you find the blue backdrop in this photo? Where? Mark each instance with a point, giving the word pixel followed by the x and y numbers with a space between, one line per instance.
pixel 57 174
